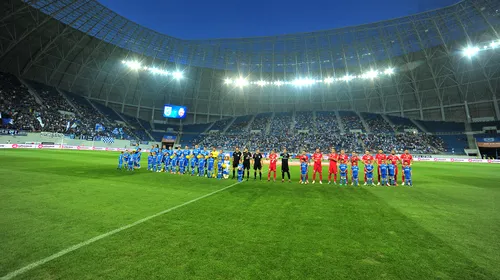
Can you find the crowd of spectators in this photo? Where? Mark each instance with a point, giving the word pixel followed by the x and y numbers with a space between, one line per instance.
pixel 351 122
pixel 402 127
pixel 223 141
pixel 326 123
pixel 377 124
pixel 280 124
pixel 260 122
pixel 17 104
pixel 414 142
pixel 304 121
pixel 220 125
pixel 26 114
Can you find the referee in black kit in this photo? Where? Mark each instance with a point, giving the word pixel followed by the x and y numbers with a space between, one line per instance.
pixel 236 160
pixel 284 166
pixel 247 156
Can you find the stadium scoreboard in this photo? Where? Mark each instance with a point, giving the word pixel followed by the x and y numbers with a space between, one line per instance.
pixel 174 111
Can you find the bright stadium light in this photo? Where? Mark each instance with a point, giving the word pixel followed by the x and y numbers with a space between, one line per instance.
pixel 372 74
pixel 241 82
pixel 228 81
pixel 303 82
pixel 177 75
pixel 328 80
pixel 134 65
pixel 389 71
pixel 261 83
pixel 471 51
pixel 278 83
pixel 347 78
pixel 494 44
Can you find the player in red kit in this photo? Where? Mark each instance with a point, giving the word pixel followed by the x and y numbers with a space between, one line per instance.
pixel 343 157
pixel 367 157
pixel 333 158
pixel 394 159
pixel 317 158
pixel 380 157
pixel 273 159
pixel 354 162
pixel 406 159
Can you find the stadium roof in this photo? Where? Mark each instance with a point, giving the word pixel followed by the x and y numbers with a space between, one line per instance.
pixel 79 46
pixel 334 48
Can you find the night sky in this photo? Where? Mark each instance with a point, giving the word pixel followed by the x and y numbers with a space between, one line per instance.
pixel 202 19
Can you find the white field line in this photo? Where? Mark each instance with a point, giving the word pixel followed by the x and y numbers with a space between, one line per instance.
pixel 104 235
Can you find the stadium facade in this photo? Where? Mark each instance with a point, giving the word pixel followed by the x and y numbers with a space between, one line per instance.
pixel 79 46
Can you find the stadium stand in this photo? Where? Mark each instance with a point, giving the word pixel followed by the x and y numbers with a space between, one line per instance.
pixel 18 104
pixel 281 123
pixel 350 120
pixel 220 125
pixel 261 121
pixel 442 127
pixel 479 126
pixel 195 128
pixel 109 113
pixel 326 122
pixel 305 121
pixel 166 127
pixel 377 123
pixel 400 124
pixel 240 124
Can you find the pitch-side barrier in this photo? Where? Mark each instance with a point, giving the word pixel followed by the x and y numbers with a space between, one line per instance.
pixel 109 149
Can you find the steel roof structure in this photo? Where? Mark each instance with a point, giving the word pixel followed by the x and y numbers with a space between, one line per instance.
pixel 77 45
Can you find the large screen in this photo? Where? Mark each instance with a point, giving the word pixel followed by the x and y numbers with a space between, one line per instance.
pixel 174 111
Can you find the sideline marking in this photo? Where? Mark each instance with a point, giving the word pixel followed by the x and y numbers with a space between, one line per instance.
pixel 104 235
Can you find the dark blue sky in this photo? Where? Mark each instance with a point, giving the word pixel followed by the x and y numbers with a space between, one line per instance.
pixel 201 19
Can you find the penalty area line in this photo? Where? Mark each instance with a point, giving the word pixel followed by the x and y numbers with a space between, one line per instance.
pixel 104 235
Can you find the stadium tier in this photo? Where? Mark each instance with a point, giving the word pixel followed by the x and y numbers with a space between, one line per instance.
pixel 377 123
pixel 440 126
pixel 261 122
pixel 221 125
pixel 400 124
pixel 281 124
pixel 351 121
pixel 240 124
pixel 195 128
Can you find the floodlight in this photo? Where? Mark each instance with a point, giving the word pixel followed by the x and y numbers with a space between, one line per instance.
pixel 494 44
pixel 134 65
pixel 347 78
pixel 261 83
pixel 278 83
pixel 177 75
pixel 228 81
pixel 471 51
pixel 372 74
pixel 241 82
pixel 389 71
pixel 328 80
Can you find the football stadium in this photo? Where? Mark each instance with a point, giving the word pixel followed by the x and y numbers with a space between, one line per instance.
pixel 359 152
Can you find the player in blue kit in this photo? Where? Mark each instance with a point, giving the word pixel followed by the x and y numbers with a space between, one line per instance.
pixel 343 173
pixel 303 172
pixel 138 154
pixel 369 173
pixel 194 159
pixel 186 154
pixel 383 173
pixel 175 161
pixel 219 170
pixel 407 173
pixel 201 166
pixel 355 175
pixel 150 162
pixel 210 167
pixel 182 164
pixel 120 160
pixel 240 172
pixel 131 161
pixel 159 159
pixel 391 170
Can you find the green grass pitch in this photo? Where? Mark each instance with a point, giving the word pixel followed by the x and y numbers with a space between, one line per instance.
pixel 446 227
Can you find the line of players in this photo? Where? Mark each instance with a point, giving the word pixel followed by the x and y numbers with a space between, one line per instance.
pixel 387 167
pixel 214 164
